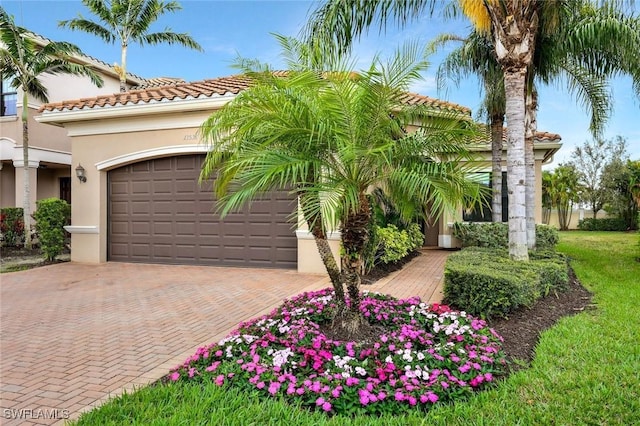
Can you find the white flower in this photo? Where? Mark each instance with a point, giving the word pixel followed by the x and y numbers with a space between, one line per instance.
pixel 420 356
pixel 361 371
pixel 388 359
pixel 280 357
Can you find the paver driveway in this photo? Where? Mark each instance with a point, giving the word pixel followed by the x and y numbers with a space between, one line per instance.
pixel 72 335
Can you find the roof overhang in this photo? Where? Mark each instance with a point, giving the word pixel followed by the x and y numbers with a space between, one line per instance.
pixel 60 118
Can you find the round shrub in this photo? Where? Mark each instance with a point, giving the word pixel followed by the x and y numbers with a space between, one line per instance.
pixel 51 216
pixel 420 355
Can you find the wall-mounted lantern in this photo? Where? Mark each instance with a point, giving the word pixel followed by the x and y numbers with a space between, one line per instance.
pixel 80 173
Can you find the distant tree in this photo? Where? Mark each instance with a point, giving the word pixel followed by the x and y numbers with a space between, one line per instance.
pixel 23 63
pixel 591 160
pixel 564 191
pixel 129 21
pixel 624 181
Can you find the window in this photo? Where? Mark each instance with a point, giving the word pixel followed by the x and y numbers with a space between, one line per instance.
pixel 482 212
pixel 8 98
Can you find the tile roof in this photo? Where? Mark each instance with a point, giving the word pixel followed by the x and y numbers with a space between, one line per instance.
pixel 166 89
pixel 158 81
pixel 485 137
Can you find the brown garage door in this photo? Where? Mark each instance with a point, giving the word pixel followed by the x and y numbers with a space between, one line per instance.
pixel 159 214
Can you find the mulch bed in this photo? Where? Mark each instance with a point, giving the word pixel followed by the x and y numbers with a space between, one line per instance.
pixel 521 330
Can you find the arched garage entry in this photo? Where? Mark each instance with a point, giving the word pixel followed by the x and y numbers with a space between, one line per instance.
pixel 158 213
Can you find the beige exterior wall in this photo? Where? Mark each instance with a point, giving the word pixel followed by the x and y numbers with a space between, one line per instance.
pixel 49 182
pixel 66 87
pixel 309 260
pixel 7 186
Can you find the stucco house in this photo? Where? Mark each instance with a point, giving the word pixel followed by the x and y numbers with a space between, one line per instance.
pixel 141 201
pixel 49 147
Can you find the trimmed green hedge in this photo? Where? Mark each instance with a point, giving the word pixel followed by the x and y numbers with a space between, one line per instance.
pixel 487 283
pixel 496 235
pixel 604 224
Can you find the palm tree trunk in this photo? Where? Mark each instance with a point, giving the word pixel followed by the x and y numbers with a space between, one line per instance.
pixel 497 129
pixel 324 250
pixel 123 69
pixel 514 81
pixel 26 201
pixel 530 164
pixel 355 234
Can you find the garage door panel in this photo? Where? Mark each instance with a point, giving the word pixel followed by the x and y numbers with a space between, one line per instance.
pixel 164 186
pixel 141 187
pixel 158 213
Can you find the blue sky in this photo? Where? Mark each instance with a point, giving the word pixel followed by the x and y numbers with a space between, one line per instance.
pixel 226 29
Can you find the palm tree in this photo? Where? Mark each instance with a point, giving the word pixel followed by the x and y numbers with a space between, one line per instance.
pixel 476 56
pixel 331 136
pixel 129 21
pixel 23 62
pixel 514 27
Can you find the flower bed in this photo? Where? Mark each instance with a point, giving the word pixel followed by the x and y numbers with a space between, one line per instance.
pixel 421 355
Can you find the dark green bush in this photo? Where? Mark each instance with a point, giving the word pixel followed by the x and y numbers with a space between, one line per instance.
pixel 51 215
pixel 604 224
pixel 496 235
pixel 12 226
pixel 547 237
pixel 486 283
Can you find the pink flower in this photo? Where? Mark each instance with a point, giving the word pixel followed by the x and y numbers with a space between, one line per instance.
pixel 444 384
pixel 174 376
pixel 260 385
pixel 351 381
pixel 213 366
pixel 320 401
pixel 274 387
pixel 326 406
pixel 219 380
pixel 412 400
pixel 464 368
pixel 364 399
pixel 488 377
pixel 399 396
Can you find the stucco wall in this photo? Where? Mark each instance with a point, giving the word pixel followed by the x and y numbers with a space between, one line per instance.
pixel 576 216
pixel 7 186
pixel 49 182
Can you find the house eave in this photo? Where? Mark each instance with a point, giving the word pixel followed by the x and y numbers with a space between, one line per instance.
pixel 59 118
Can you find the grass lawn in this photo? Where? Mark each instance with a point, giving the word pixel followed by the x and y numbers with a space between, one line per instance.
pixel 587 368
